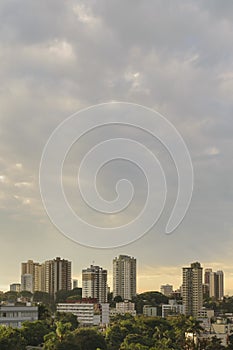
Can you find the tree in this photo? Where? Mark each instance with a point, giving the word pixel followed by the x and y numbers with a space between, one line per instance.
pixel 149 298
pixel 10 296
pixel 230 344
pixel 26 294
pixel 89 339
pixel 63 295
pixel 212 344
pixel 67 317
pixel 11 339
pixel 115 335
pixel 68 343
pixel 136 341
pixel 118 299
pixel 42 297
pixel 44 313
pixel 192 327
pixel 34 332
pixel 61 338
pixel 81 339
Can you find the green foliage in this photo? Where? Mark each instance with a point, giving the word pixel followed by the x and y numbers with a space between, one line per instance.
pixel 63 295
pixel 11 339
pixel 151 333
pixel 89 339
pixel 80 339
pixel 34 332
pixel 118 299
pixel 42 297
pixel 26 294
pixel 149 298
pixel 67 318
pixel 44 313
pixel 212 344
pixel 10 296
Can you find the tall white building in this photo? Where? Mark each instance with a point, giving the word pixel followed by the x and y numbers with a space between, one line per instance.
pixel 124 277
pixel 27 282
pixel 94 283
pixel 192 289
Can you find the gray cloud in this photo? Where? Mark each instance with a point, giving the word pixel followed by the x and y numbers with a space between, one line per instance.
pixel 57 57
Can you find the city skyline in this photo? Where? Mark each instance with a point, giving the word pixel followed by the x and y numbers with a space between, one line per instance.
pixel 178 62
pixel 108 280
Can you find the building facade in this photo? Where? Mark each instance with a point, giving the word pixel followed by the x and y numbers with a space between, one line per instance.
pixel 192 289
pixel 88 314
pixel 32 268
pixel 172 308
pixel 61 275
pixel 50 276
pixel 15 287
pixel 166 289
pixel 216 285
pixel 14 316
pixel 125 307
pixel 27 283
pixel 124 277
pixel 94 283
pixel 149 311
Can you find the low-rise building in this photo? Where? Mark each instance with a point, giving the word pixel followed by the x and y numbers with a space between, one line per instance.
pixel 14 315
pixel 220 329
pixel 88 314
pixel 172 309
pixel 122 308
pixel 205 313
pixel 149 311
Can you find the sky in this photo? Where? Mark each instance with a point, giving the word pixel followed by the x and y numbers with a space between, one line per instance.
pixel 176 57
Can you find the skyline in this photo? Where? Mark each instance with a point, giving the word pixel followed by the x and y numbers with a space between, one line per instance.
pixel 77 54
pixel 170 280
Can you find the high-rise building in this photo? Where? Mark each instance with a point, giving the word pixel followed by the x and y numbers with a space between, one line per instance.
pixel 94 283
pixel 46 276
pixel 124 277
pixel 27 282
pixel 166 289
pixel 75 283
pixel 15 287
pixel 207 276
pixel 216 289
pixel 56 275
pixel 50 276
pixel 220 281
pixel 192 289
pixel 206 285
pixel 32 268
pixel 38 277
pixel 61 275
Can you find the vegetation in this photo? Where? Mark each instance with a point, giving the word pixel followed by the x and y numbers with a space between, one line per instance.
pixel 62 332
pixel 149 298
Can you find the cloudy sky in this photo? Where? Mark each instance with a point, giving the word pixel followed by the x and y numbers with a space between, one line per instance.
pixel 176 57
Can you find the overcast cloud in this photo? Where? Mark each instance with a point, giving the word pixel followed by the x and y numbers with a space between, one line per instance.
pixel 174 56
